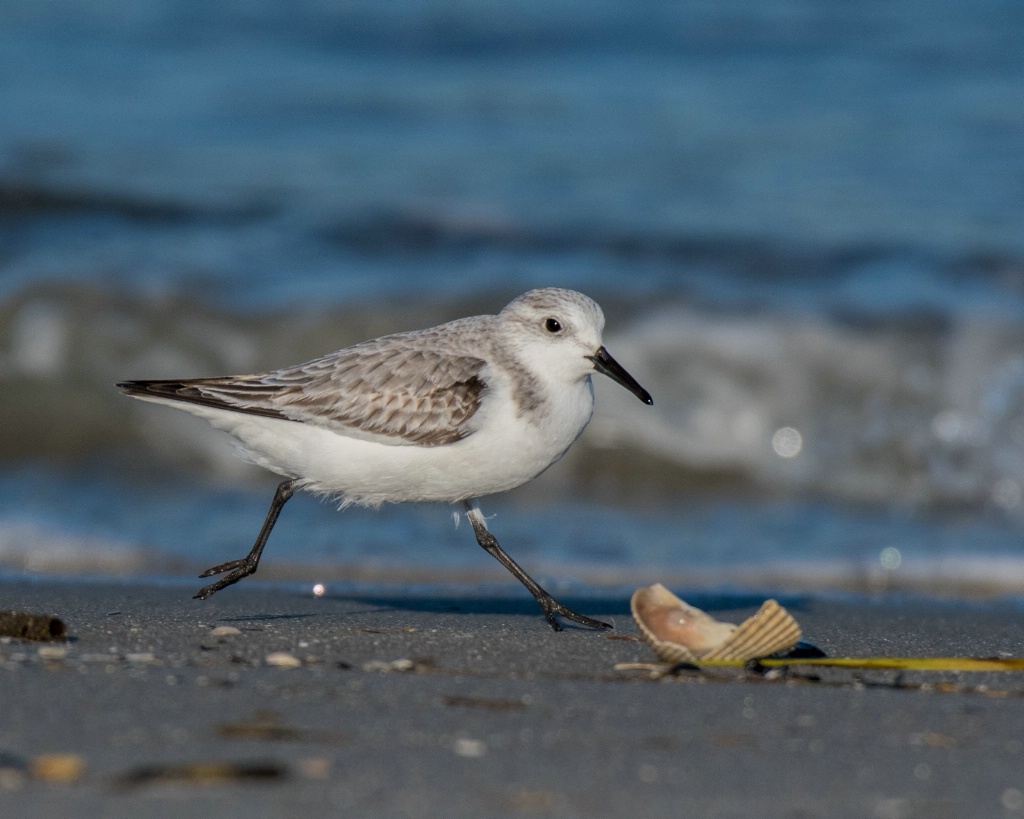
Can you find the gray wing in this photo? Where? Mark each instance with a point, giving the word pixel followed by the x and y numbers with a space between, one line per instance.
pixel 391 387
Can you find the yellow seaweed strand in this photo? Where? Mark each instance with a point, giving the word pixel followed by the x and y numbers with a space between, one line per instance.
pixel 896 663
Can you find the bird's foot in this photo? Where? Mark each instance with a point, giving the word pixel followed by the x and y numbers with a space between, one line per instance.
pixel 552 607
pixel 236 570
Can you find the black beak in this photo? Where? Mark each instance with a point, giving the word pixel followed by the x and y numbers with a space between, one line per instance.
pixel 606 365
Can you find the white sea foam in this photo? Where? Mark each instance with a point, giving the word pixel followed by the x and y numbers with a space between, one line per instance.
pixel 883 412
pixel 893 410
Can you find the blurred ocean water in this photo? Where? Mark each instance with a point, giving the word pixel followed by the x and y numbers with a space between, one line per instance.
pixel 803 221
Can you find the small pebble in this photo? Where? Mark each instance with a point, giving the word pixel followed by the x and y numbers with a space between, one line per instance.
pixel 224 631
pixel 394 665
pixel 1012 799
pixel 52 652
pixel 315 767
pixel 141 657
pixel 470 748
pixel 58 767
pixel 282 659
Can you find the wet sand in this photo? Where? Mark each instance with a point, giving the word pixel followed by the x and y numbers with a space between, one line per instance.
pixel 460 702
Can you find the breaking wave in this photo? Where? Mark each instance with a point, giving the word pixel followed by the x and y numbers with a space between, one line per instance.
pixel 915 406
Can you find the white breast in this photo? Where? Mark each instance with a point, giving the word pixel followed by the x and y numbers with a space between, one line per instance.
pixel 509 447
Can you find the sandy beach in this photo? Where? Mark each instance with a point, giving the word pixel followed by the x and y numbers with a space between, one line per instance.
pixel 268 701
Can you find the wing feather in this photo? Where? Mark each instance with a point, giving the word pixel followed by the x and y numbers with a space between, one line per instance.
pixel 408 388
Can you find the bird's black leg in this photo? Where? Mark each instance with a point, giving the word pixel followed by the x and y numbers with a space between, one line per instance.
pixel 237 569
pixel 547 603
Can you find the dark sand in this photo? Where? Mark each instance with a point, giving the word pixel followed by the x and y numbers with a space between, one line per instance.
pixel 494 715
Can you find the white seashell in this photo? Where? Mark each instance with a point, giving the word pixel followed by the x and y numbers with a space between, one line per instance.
pixel 282 659
pixel 680 633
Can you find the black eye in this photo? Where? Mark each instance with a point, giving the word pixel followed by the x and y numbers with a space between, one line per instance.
pixel 553 325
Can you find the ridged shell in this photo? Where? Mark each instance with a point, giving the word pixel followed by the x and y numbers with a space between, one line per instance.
pixel 680 633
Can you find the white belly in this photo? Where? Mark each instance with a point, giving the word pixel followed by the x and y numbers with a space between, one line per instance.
pixel 505 451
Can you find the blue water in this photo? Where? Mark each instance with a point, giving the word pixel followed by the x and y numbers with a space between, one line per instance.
pixel 108 525
pixel 803 221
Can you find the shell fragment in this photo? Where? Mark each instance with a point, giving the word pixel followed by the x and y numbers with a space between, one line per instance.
pixel 680 633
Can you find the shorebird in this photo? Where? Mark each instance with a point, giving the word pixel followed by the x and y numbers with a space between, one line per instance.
pixel 449 414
